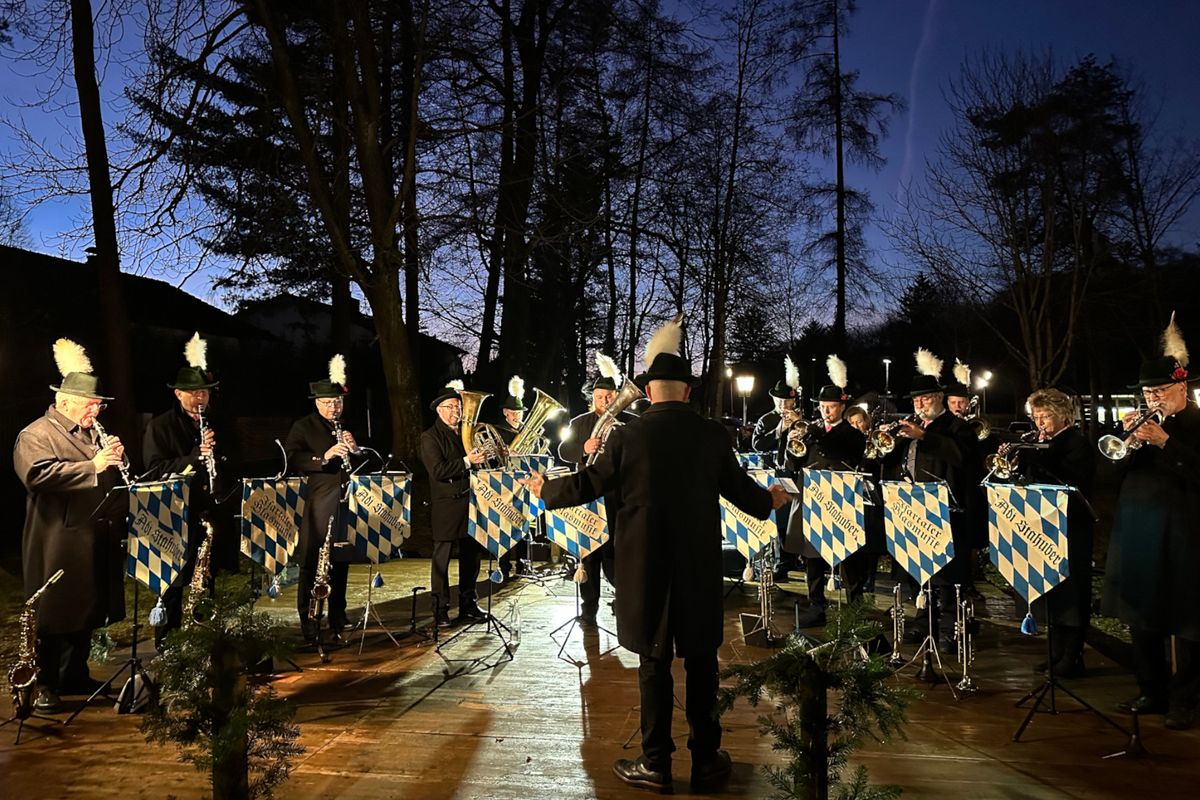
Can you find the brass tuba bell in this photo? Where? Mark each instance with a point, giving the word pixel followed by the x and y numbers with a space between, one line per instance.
pixel 476 436
pixel 529 440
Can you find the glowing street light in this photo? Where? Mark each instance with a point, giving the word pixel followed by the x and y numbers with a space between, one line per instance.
pixel 887 377
pixel 729 380
pixel 745 385
pixel 981 383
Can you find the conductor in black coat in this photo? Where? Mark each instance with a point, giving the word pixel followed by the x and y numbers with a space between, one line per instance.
pixel 663 473
pixel 449 466
pixel 173 444
pixel 1070 460
pixel 314 451
pixel 832 444
pixel 575 448
pixel 936 449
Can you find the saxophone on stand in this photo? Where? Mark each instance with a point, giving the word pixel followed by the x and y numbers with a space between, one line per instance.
pixel 201 575
pixel 320 589
pixel 22 678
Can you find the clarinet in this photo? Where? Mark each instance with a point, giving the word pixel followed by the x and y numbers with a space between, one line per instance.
pixel 210 460
pixel 339 434
pixel 104 440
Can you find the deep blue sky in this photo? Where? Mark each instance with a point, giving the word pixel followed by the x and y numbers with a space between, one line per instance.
pixel 909 47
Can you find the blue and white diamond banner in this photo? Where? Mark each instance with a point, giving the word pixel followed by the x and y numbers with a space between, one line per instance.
pixel 1027 526
pixel 747 534
pixel 753 460
pixel 272 509
pixel 916 521
pixel 579 529
pixel 500 511
pixel 833 513
pixel 530 463
pixel 379 516
pixel 158 536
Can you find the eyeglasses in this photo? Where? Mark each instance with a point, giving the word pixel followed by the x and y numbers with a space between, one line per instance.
pixel 330 402
pixel 1157 391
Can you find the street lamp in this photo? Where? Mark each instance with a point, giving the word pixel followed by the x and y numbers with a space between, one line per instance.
pixel 887 377
pixel 981 383
pixel 745 385
pixel 729 380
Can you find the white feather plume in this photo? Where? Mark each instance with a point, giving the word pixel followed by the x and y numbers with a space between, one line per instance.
pixel 962 372
pixel 837 371
pixel 791 373
pixel 608 368
pixel 928 363
pixel 71 357
pixel 456 385
pixel 1173 344
pixel 196 352
pixel 516 387
pixel 665 340
pixel 337 370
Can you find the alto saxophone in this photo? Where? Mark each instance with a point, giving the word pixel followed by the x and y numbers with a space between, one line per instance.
pixel 23 675
pixel 104 440
pixel 320 588
pixel 200 577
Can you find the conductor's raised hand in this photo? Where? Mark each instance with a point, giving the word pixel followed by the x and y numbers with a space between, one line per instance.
pixel 779 496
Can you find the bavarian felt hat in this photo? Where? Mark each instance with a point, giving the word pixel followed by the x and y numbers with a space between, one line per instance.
pixel 604 382
pixel 513 404
pixel 783 391
pixel 832 394
pixel 325 388
pixel 81 384
pixel 668 367
pixel 925 384
pixel 446 394
pixel 190 379
pixel 1160 371
pixel 957 389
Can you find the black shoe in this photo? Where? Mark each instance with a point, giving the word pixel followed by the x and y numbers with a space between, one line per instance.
pixel 443 620
pixel 588 620
pixel 636 773
pixel 308 631
pixel 471 613
pixel 813 618
pixel 47 700
pixel 86 687
pixel 711 772
pixel 335 637
pixel 1181 719
pixel 1143 704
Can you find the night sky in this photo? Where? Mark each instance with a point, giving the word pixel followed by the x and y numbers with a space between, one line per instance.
pixel 909 47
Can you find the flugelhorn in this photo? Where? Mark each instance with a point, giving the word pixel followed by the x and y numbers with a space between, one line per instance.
pixel 1116 448
pixel 528 438
pixel 627 396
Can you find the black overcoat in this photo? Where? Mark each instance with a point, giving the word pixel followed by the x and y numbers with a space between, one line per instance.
pixel 841 449
pixel 1152 580
pixel 766 438
pixel 306 443
pixel 665 472
pixel 55 464
pixel 942 455
pixel 442 453
pixel 1070 460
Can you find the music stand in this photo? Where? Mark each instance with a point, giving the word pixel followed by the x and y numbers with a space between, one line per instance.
pixel 571 624
pixel 491 627
pixel 369 610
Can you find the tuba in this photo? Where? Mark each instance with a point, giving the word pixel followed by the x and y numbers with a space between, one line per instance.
pixel 628 395
pixel 476 436
pixel 529 440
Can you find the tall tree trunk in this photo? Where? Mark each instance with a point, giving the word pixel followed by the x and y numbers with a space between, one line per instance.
pixel 118 371
pixel 839 320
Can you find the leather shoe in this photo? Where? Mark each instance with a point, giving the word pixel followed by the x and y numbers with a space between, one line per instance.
pixel 1143 704
pixel 588 620
pixel 443 620
pixel 636 773
pixel 1181 719
pixel 471 613
pixel 1070 667
pixel 47 700
pixel 712 771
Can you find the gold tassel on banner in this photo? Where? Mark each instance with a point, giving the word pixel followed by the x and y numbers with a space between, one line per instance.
pixel 921 601
pixel 748 573
pixel 580 573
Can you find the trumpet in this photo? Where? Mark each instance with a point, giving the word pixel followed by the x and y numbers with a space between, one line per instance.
pixel 103 437
pixel 1003 463
pixel 797 447
pixel 1116 448
pixel 966 627
pixel 881 439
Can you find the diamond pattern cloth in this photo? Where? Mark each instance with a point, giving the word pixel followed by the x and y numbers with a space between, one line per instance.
pixel 833 513
pixel 579 529
pixel 747 534
pixel 158 537
pixel 752 460
pixel 500 511
pixel 379 516
pixel 272 509
pixel 1027 526
pixel 916 522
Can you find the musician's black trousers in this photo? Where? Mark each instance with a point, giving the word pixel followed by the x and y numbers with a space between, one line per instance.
pixel 1152 666
pixel 470 555
pixel 62 659
pixel 658 699
pixel 594 563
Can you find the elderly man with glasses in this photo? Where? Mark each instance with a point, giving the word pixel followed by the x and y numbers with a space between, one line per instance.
pixel 1154 554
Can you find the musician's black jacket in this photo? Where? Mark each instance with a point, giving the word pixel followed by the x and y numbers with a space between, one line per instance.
pixel 442 453
pixel 767 440
pixel 307 441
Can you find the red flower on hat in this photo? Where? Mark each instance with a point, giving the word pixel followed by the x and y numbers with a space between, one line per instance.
pixel 1179 374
